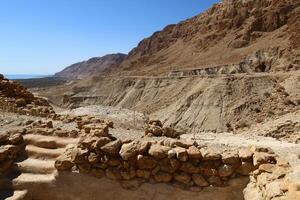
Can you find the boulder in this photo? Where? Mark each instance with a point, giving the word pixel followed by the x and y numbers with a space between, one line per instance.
pixel 102 141
pixel 189 168
pixel 170 132
pixel 143 174
pixel 269 168
pixel 208 171
pixel 78 155
pixel 1 77
pixel 214 180
pixel 245 154
pixel 263 158
pixel 225 170
pixel 129 151
pixel 154 130
pixel 199 180
pixel 273 189
pixel 146 162
pixel 184 178
pixel 114 162
pixel 194 153
pixel 88 142
pixel 156 123
pixel 101 130
pixel 282 162
pixel 112 148
pixel 163 177
pixel 231 158
pixel 184 143
pixel 169 165
pixel 172 153
pixel 93 158
pixel 143 147
pixel 159 151
pixel 132 149
pixel 181 154
pixel 209 154
pixel 169 142
pixel 64 163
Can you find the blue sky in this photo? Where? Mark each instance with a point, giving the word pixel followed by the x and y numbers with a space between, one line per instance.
pixel 44 36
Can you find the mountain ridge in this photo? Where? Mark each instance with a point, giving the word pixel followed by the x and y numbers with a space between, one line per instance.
pixel 92 66
pixel 226 33
pixel 229 33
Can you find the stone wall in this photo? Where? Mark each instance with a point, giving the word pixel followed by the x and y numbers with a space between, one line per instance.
pixel 16 98
pixel 270 181
pixel 11 145
pixel 185 164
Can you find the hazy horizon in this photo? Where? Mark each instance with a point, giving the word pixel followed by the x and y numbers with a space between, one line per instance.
pixel 43 37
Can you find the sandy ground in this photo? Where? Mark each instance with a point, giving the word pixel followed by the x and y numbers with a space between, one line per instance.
pixel 122 117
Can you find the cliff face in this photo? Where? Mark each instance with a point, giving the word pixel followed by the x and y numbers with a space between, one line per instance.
pixel 92 66
pixel 224 34
pixel 193 104
pixel 227 33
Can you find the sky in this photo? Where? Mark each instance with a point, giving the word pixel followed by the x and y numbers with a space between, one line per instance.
pixel 45 36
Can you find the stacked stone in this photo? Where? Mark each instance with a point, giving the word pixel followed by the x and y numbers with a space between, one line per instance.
pixel 90 125
pixel 16 98
pixel 271 181
pixel 11 145
pixel 168 161
pixel 47 128
pixel 155 129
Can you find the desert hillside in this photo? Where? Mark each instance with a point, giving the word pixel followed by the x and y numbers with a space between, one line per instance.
pixel 205 109
pixel 231 33
pixel 92 66
pixel 225 34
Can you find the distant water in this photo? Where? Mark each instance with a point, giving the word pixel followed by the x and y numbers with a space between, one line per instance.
pixel 24 76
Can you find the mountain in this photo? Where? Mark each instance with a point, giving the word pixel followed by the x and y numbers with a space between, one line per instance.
pixel 263 34
pixel 92 66
pixel 228 33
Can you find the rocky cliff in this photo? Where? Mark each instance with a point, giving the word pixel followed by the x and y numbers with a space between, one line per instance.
pixel 193 104
pixel 92 66
pixel 225 34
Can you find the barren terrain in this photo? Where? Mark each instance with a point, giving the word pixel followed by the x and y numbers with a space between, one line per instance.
pixel 208 108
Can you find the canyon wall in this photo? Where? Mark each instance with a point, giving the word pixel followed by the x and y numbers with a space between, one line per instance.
pixel 194 104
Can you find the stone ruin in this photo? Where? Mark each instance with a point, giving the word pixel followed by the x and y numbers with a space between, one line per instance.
pixel 183 164
pixel 155 128
pixel 11 146
pixel 16 98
